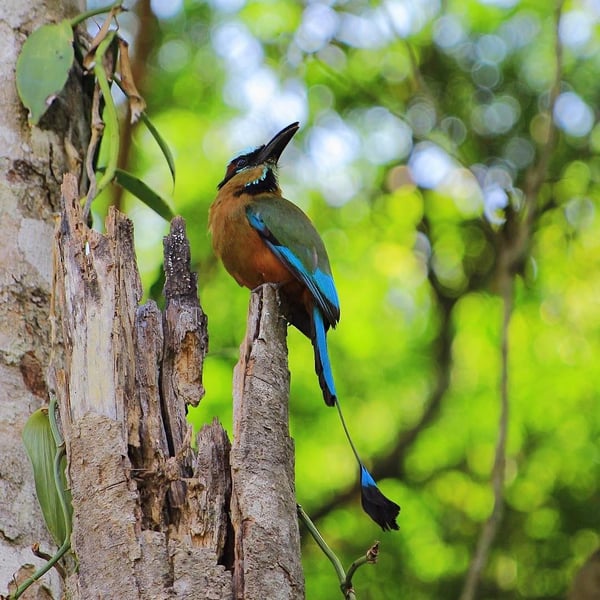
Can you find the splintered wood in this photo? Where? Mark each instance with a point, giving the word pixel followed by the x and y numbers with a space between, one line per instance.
pixel 123 399
pixel 154 519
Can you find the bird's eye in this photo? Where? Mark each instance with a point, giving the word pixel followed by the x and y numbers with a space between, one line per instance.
pixel 241 162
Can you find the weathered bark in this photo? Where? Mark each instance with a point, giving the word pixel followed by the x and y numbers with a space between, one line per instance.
pixel 267 540
pixel 97 290
pixel 118 394
pixel 152 518
pixel 32 161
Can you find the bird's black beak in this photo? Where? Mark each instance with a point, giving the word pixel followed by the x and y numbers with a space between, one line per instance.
pixel 272 151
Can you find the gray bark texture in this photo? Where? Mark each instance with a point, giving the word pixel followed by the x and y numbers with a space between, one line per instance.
pixel 32 161
pixel 154 519
pixel 267 540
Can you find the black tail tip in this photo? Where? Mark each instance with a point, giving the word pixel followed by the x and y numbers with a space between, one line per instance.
pixel 381 509
pixel 330 399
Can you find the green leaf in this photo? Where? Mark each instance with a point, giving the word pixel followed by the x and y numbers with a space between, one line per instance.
pixel 148 196
pixel 155 134
pixel 41 449
pixel 162 144
pixel 43 67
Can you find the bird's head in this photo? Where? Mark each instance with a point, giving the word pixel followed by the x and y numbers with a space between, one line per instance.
pixel 254 172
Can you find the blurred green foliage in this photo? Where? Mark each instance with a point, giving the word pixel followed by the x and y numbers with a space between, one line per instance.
pixel 424 123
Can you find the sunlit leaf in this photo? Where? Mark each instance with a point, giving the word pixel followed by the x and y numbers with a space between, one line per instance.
pixel 142 191
pixel 161 143
pixel 43 67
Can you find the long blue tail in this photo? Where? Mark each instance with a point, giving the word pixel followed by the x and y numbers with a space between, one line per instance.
pixel 322 364
pixel 381 509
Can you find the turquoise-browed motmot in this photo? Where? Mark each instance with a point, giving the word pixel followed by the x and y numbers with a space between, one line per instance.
pixel 263 238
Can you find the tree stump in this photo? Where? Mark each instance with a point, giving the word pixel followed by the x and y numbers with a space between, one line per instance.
pixel 154 519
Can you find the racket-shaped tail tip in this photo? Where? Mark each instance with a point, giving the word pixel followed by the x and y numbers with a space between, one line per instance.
pixel 381 509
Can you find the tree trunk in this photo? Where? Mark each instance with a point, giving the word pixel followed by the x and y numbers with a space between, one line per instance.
pixel 152 518
pixel 267 540
pixel 32 161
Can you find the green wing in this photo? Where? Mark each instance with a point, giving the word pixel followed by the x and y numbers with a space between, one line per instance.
pixel 292 237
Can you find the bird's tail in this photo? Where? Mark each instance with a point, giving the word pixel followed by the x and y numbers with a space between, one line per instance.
pixel 322 364
pixel 381 509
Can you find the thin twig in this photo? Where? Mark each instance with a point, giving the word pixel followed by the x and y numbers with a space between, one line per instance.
pixel 97 128
pixel 512 250
pixel 114 7
pixel 370 558
pixel 110 118
pixel 345 582
pixel 491 526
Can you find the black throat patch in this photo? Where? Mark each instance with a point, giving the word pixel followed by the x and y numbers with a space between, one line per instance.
pixel 267 182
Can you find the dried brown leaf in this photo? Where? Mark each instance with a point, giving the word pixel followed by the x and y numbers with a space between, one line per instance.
pixel 137 104
pixel 90 57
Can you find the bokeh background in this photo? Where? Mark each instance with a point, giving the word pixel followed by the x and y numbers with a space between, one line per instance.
pixel 450 157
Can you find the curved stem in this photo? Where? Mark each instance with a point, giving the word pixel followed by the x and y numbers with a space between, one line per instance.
pixel 111 118
pixel 369 558
pixel 96 11
pixel 329 553
pixel 43 570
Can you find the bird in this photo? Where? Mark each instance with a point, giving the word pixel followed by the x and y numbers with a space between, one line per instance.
pixel 260 237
